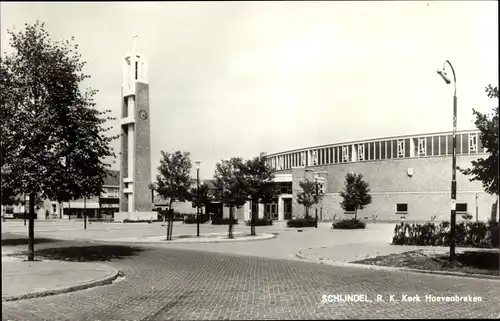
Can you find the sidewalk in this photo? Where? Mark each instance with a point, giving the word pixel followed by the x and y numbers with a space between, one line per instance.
pixel 22 280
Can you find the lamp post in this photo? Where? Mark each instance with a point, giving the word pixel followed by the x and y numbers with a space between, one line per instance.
pixel 443 74
pixel 317 194
pixel 197 165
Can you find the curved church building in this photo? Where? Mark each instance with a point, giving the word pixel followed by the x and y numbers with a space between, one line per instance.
pixel 408 175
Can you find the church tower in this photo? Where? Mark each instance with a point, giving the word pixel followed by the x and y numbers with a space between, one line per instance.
pixel 135 158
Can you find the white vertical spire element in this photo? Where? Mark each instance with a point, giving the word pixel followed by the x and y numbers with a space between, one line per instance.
pixel 135 43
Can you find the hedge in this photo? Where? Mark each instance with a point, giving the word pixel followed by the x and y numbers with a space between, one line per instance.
pixel 137 221
pixel 191 219
pixel 260 222
pixel 349 224
pixel 222 221
pixel 467 234
pixel 302 222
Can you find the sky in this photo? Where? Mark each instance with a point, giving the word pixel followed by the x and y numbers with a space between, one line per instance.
pixel 239 78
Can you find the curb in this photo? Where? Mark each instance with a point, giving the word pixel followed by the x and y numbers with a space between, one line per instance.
pixel 102 281
pixel 397 269
pixel 268 237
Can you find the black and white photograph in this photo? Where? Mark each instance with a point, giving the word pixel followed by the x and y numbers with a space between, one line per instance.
pixel 249 160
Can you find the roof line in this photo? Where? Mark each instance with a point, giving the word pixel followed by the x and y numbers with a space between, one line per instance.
pixel 369 140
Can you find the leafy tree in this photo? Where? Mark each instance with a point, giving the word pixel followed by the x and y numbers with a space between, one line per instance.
pixel 230 186
pixel 355 194
pixel 52 133
pixel 486 170
pixel 259 184
pixel 309 195
pixel 202 196
pixel 173 180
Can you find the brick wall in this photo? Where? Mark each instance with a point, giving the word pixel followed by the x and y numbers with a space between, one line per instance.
pixel 427 191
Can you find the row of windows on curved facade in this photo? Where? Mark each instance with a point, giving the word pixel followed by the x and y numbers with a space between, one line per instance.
pixel 423 146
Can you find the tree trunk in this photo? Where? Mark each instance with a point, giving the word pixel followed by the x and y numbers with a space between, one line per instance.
pixel 230 230
pixel 60 210
pixel 170 224
pixel 307 212
pixel 355 214
pixel 84 213
pixel 252 218
pixel 69 211
pixel 24 209
pixel 31 229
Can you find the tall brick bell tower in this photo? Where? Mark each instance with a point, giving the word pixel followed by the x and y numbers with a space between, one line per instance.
pixel 135 158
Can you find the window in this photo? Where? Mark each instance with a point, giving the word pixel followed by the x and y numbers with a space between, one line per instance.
pixel 315 157
pixel 442 145
pixel 349 209
pixel 428 143
pixel 345 154
pixel 465 145
pixel 401 148
pixel 407 147
pixel 285 188
pixel 104 192
pixel 361 152
pixel 422 150
pixel 382 150
pixel 136 69
pixel 54 208
pixel 435 145
pixel 115 193
pixel 303 159
pixel 473 143
pixel 373 151
pixel 401 208
pixel 461 208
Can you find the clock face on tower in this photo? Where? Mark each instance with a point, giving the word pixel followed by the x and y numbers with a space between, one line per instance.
pixel 143 114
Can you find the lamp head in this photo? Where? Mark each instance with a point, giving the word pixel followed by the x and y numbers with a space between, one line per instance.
pixel 443 75
pixel 197 164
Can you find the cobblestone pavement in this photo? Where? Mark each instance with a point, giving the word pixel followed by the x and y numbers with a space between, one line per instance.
pixel 172 284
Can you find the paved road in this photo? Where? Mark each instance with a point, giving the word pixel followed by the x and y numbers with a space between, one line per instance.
pixel 173 284
pixel 285 246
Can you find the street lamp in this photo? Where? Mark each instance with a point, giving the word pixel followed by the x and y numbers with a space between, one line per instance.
pixel 197 166
pixel 443 73
pixel 317 195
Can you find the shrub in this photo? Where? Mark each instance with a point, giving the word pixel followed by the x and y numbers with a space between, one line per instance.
pixel 222 221
pixel 138 221
pixel 260 222
pixel 191 219
pixel 349 224
pixel 467 234
pixel 301 222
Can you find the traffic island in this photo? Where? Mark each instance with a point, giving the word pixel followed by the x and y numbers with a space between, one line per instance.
pixel 473 262
pixel 203 238
pixel 24 280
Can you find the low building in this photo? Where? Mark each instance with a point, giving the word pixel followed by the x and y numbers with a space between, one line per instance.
pixel 409 176
pixel 105 205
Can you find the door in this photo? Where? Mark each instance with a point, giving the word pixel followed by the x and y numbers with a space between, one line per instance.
pixel 287 208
